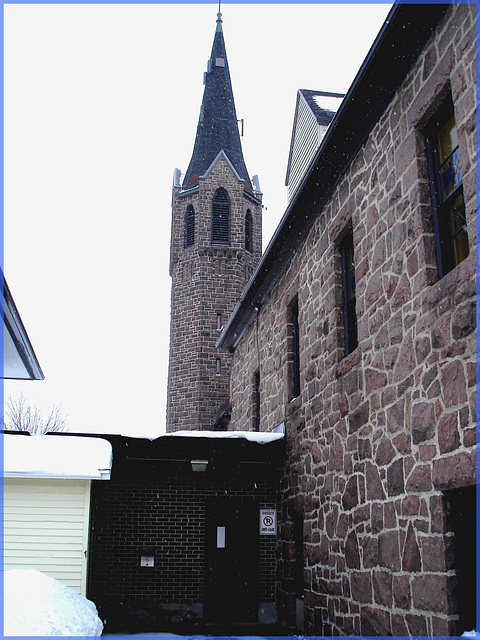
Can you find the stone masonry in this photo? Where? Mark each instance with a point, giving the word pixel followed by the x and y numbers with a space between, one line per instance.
pixel 377 439
pixel 207 280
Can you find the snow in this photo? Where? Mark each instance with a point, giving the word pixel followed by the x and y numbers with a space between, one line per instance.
pixel 252 436
pixel 328 102
pixel 56 457
pixel 37 605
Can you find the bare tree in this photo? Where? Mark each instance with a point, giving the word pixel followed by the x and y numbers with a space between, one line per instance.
pixel 20 415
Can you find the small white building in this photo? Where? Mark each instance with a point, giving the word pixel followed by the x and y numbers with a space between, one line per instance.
pixel 47 502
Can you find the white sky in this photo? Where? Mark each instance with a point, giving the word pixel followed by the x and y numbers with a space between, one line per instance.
pixel 101 104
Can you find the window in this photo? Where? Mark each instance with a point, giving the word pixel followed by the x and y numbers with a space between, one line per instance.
pixel 189 226
pixel 349 300
pixel 221 217
pixel 257 401
pixel 217 367
pixel 249 231
pixel 294 349
pixel 219 321
pixel 448 206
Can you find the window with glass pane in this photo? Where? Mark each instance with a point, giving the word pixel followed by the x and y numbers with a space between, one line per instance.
pixel 248 231
pixel 349 299
pixel 448 206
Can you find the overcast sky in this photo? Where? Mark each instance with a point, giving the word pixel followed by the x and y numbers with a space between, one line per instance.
pixel 101 105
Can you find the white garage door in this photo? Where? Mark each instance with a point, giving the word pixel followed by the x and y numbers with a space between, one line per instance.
pixel 46 527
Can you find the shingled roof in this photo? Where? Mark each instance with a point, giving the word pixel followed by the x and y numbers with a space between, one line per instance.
pixel 217 128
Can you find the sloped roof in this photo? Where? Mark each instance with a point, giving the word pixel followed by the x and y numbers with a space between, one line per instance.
pixel 323 116
pixel 19 359
pixel 217 128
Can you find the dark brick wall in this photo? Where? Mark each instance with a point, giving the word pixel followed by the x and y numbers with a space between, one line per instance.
pixel 167 517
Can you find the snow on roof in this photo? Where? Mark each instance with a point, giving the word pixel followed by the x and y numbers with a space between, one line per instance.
pixel 56 457
pixel 252 436
pixel 330 103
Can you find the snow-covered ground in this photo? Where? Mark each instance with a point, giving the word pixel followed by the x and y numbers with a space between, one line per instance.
pixel 37 605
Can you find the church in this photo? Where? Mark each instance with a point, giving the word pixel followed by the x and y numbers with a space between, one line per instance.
pixel 353 334
pixel 318 474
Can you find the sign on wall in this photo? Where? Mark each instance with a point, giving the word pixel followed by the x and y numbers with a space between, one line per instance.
pixel 268 522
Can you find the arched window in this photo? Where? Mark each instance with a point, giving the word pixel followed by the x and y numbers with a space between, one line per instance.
pixel 249 231
pixel 189 226
pixel 221 217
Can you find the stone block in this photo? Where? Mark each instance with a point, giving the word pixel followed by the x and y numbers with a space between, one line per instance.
pixel 361 586
pixel 432 592
pixel 411 558
pixel 458 470
pixel 389 550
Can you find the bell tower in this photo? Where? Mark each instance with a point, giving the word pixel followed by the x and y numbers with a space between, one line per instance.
pixel 216 243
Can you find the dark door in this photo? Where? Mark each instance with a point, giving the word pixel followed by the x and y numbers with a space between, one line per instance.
pixel 231 560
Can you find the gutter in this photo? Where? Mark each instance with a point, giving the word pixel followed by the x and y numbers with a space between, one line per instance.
pixel 398 44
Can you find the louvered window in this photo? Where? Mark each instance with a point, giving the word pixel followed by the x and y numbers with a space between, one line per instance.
pixel 221 217
pixel 248 231
pixel 189 226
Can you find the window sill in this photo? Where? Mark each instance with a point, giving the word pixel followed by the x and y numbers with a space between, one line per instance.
pixel 450 283
pixel 347 363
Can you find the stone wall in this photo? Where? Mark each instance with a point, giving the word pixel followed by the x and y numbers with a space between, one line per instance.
pixel 207 279
pixel 376 439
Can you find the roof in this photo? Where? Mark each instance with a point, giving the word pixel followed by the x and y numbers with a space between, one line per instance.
pixel 227 453
pixel 399 42
pixel 217 128
pixel 322 114
pixel 19 359
pixel 68 457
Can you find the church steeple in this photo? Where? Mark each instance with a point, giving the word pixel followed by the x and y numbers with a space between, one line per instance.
pixel 216 243
pixel 217 128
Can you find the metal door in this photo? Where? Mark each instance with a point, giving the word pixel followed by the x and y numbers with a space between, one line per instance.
pixel 231 560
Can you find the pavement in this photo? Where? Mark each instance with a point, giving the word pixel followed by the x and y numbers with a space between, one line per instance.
pixel 256 631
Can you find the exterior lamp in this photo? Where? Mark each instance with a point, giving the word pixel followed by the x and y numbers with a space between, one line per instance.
pixel 199 465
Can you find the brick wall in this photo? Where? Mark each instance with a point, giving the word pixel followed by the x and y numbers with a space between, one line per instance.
pixel 206 280
pixel 376 439
pixel 165 518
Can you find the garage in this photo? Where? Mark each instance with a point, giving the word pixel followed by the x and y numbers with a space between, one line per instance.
pixel 47 503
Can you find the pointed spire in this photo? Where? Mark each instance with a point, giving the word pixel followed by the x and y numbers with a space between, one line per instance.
pixel 217 128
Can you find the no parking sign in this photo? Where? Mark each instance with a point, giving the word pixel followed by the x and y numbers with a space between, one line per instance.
pixel 268 522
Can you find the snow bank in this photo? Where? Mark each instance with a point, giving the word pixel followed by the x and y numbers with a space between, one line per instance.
pixel 56 457
pixel 36 605
pixel 252 436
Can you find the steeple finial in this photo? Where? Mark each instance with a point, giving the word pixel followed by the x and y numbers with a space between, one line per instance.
pixel 219 16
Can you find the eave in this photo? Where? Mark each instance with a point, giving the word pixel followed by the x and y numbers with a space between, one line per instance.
pixel 22 361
